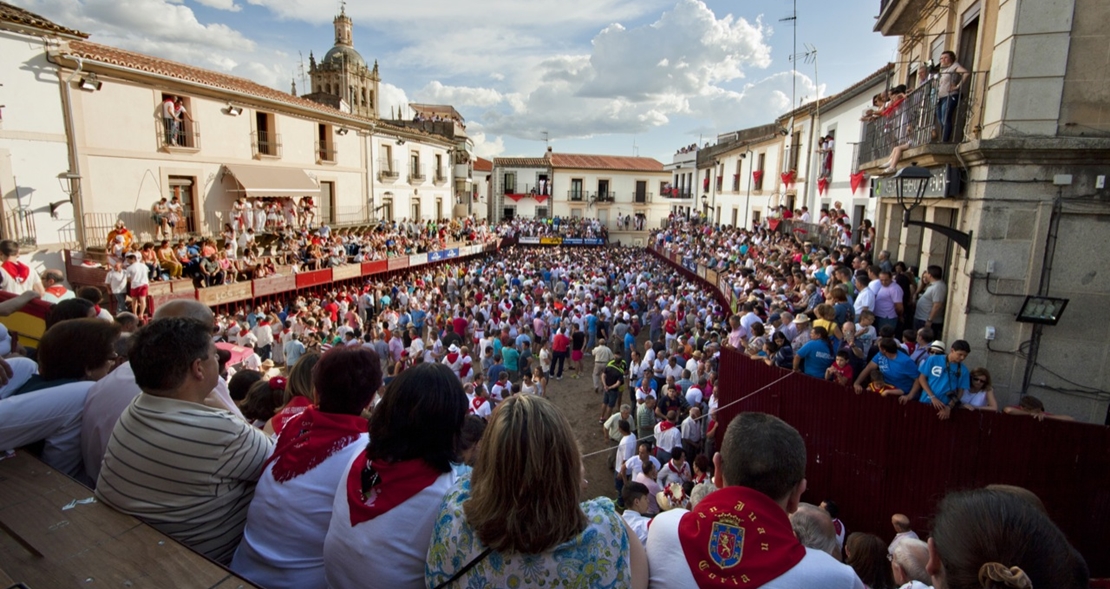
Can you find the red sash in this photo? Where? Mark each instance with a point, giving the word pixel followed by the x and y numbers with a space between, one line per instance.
pixel 399 482
pixel 311 439
pixel 738 537
pixel 17 270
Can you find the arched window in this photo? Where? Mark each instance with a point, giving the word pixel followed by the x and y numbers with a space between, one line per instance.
pixel 327 88
pixel 364 97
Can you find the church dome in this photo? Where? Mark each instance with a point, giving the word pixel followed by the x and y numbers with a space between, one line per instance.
pixel 336 55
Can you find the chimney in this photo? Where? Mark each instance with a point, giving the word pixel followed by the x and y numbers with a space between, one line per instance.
pixel 547 155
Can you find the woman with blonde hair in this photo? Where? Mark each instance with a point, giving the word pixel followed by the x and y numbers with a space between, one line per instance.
pixel 981 394
pixel 522 521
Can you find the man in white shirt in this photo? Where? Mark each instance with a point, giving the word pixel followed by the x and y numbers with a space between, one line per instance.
pixel 760 475
pixel 117 283
pixel 692 432
pixel 626 449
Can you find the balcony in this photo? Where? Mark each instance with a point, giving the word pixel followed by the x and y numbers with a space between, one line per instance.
pixel 576 195
pixel 918 127
pixel 641 197
pixel 178 136
pixel 416 175
pixel 605 197
pixel 325 154
pixel 266 144
pixel 677 193
pixel 387 171
pixel 440 177
pixel 898 17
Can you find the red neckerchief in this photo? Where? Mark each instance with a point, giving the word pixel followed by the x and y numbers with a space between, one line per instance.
pixel 476 404
pixel 311 439
pixel 59 290
pixel 665 425
pixel 738 536
pixel 399 481
pixel 295 407
pixel 674 468
pixel 700 478
pixel 17 270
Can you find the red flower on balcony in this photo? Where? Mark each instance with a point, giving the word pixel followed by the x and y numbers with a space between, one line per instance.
pixel 856 180
pixel 788 178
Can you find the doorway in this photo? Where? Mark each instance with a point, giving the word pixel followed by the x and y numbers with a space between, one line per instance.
pixel 508 213
pixel 641 191
pixel 327 203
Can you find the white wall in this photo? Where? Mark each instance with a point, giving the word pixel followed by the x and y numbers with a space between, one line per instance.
pixel 843 119
pixel 623 184
pixel 405 192
pixel 33 150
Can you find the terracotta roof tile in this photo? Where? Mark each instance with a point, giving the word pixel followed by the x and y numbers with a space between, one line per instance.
pixel 605 162
pixel 521 162
pixel 14 14
pixel 483 165
pixel 154 65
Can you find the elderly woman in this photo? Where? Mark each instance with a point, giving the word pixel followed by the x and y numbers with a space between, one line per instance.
pixel 521 522
pixel 283 543
pixel 386 505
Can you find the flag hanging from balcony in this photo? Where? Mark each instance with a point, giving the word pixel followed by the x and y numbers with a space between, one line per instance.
pixel 540 197
pixel 822 185
pixel 515 197
pixel 757 176
pixel 705 184
pixel 788 178
pixel 856 180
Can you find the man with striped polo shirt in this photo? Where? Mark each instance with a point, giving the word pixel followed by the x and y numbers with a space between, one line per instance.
pixel 185 468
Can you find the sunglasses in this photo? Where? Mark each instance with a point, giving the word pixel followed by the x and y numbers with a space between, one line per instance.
pixel 978 380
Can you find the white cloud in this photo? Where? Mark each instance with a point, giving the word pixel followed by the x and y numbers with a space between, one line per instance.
pixel 485 147
pixel 636 79
pixel 392 99
pixel 228 5
pixel 437 93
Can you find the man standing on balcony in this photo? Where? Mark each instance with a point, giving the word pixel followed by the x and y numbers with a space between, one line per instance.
pixel 953 77
pixel 169 119
pixel 182 116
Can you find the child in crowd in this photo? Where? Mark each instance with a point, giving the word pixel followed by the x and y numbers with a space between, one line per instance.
pixel 841 370
pixel 635 497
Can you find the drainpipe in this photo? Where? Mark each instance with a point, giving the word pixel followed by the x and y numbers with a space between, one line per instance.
pixel 76 192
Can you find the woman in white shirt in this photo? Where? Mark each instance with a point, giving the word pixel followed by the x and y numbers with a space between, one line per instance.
pixel 283 543
pixel 389 494
pixel 981 394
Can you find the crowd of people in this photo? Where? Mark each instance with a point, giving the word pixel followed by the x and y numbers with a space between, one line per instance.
pixel 554 227
pixel 409 439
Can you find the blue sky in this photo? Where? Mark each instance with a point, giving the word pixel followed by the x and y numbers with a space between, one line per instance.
pixel 600 76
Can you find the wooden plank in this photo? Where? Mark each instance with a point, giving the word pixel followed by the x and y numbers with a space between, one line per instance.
pixel 160 287
pixel 397 263
pixel 44 545
pixel 160 300
pixel 182 285
pixel 274 285
pixel 307 279
pixel 226 293
pixel 346 271
pixel 374 267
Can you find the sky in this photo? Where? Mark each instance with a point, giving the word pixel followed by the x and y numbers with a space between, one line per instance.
pixel 619 77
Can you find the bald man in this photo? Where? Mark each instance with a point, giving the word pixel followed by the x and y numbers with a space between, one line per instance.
pixel 108 398
pixel 814 528
pixel 902 531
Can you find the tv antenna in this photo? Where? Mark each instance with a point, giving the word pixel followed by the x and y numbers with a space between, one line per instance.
pixel 546 139
pixel 793 20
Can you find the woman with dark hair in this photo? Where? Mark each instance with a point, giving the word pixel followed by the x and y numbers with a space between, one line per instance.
pixel 867 555
pixel 69 309
pixel 784 353
pixel 518 517
pixel 48 406
pixel 388 495
pixel 283 544
pixel 993 538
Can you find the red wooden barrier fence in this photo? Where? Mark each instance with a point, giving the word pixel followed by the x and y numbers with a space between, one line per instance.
pixel 875 457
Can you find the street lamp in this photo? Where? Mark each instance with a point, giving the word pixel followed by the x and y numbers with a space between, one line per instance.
pixel 705 205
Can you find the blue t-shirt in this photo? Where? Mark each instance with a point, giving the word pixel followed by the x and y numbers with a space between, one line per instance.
pixel 511 357
pixel 418 318
pixel 591 323
pixel 899 372
pixel 944 377
pixel 816 357
pixel 495 372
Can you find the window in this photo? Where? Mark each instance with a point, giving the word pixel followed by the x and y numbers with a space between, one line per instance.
pixel 755 217
pixel 795 150
pixel 510 183
pixel 183 188
pixel 267 143
pixel 735 216
pixel 440 175
pixel 364 97
pixel 176 127
pixel 603 192
pixel 641 195
pixel 736 176
pixel 416 216
pixel 575 189
pixel 387 209
pixel 370 104
pixel 439 209
pixel 387 167
pixel 416 173
pixel 757 180
pixel 325 143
